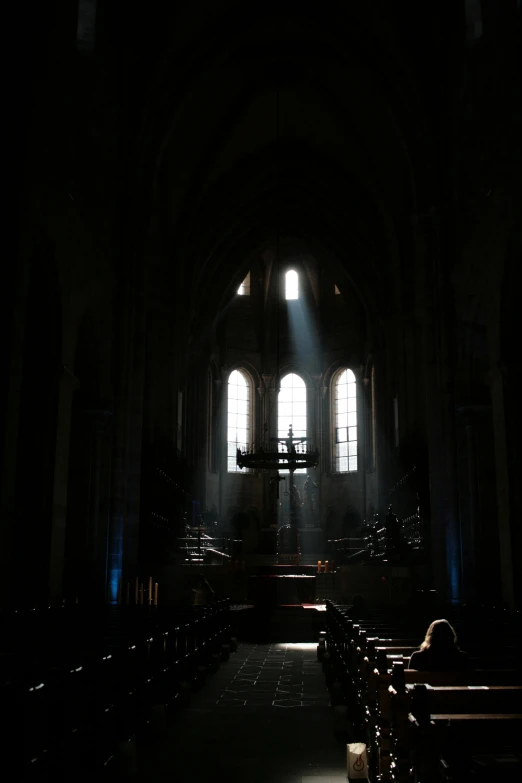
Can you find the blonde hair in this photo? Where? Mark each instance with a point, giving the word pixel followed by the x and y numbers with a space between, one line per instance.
pixel 439 634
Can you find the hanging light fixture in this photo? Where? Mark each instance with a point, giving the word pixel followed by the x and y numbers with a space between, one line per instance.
pixel 288 453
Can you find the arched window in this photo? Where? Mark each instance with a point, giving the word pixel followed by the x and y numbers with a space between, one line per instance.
pixel 238 417
pixel 345 424
pixel 291 285
pixel 292 408
pixel 244 288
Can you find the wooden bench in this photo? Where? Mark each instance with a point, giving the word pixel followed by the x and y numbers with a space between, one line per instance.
pixel 76 682
pixel 423 701
pixel 454 737
pixel 352 650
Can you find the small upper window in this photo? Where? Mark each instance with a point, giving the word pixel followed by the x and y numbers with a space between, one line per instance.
pixel 336 290
pixel 291 285
pixel 244 288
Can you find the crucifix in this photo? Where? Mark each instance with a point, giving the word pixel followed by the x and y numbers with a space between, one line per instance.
pixel 290 442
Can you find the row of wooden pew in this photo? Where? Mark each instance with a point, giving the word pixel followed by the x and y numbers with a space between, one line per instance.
pixel 434 726
pixel 78 686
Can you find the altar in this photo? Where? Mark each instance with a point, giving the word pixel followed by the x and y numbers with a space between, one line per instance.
pixel 282 585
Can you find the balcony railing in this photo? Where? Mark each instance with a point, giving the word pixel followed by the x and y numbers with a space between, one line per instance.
pixel 376 542
pixel 198 548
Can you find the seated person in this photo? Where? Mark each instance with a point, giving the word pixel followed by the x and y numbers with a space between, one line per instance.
pixel 439 651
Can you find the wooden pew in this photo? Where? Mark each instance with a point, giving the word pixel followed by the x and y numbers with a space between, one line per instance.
pixel 351 648
pixel 454 737
pixel 423 700
pixel 76 682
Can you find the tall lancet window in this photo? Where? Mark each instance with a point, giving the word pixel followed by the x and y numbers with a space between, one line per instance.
pixel 292 409
pixel 345 407
pixel 239 417
pixel 291 285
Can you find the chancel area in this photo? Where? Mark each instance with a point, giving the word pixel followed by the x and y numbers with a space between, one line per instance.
pixel 259 423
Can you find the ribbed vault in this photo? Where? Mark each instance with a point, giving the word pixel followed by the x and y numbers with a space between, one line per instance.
pixel 267 121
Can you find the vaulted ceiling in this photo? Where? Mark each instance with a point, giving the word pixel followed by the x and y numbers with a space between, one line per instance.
pixel 269 118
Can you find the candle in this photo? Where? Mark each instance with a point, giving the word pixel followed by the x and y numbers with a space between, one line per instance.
pixel 318 566
pixel 326 566
pixel 128 593
pixel 136 589
pixel 156 594
pixel 150 590
pixel 141 594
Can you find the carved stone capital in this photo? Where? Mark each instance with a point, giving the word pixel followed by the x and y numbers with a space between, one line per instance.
pixel 268 381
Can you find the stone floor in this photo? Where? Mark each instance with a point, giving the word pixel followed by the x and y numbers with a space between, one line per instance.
pixel 264 716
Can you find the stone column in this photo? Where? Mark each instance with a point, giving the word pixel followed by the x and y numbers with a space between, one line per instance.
pixel 471 455
pixel 270 407
pixel 434 313
pixel 220 440
pixel 320 439
pixel 201 429
pixel 68 384
pixel 469 511
pixel 261 437
pixel 504 490
pixel 96 546
pixel 363 434
pixel 122 537
pixel 10 444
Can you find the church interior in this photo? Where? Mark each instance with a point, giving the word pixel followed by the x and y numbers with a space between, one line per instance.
pixel 258 426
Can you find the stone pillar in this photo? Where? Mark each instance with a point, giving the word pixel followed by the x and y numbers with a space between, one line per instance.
pixel 261 437
pixel 470 503
pixel 96 546
pixel 363 435
pixel 270 406
pixel 471 454
pixel 221 444
pixel 68 384
pixel 123 523
pixel 201 429
pixel 504 490
pixel 10 444
pixel 434 313
pixel 320 440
